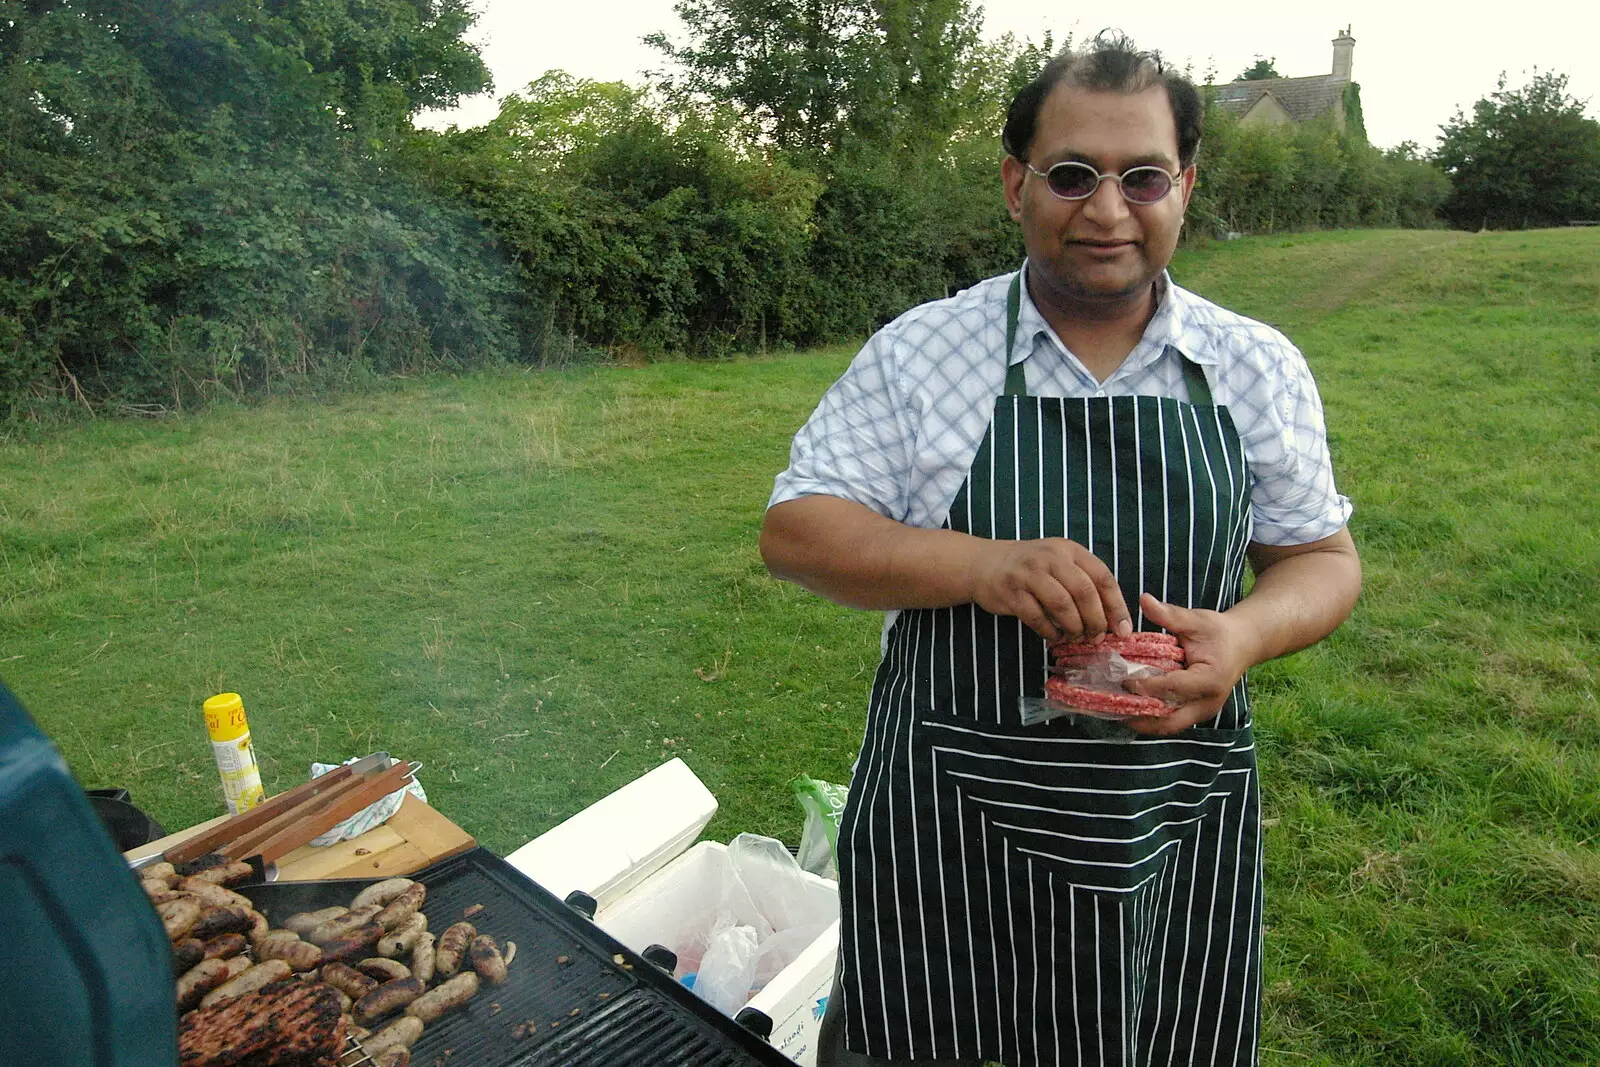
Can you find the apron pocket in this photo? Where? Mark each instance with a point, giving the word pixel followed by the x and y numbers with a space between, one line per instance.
pixel 1100 813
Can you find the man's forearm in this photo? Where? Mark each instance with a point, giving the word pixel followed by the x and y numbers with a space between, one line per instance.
pixel 1300 595
pixel 853 556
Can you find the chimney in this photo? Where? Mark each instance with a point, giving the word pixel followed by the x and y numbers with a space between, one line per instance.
pixel 1344 48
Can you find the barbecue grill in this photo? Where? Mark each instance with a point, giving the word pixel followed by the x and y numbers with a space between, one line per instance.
pixel 575 997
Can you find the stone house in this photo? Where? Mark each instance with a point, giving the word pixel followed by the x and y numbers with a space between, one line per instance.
pixel 1280 101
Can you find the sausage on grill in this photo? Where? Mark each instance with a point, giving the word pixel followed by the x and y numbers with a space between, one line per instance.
pixel 453 944
pixel 400 939
pixel 262 974
pixel 486 959
pixel 381 893
pixel 389 997
pixel 306 921
pixel 401 1033
pixel 348 980
pixel 446 997
pixel 402 907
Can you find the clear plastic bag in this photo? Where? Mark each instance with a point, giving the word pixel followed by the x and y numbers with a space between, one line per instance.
pixel 1092 688
pixel 753 920
pixel 728 969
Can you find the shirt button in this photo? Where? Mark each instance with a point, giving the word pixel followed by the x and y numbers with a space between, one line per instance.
pixel 1099 392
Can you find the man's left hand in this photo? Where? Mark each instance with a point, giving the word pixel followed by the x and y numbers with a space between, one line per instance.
pixel 1217 651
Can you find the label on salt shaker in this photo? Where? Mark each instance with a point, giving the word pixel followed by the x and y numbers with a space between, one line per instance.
pixel 230 746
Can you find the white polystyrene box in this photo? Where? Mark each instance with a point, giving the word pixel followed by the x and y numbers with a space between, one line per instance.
pixel 621 839
pixel 796 999
pixel 655 910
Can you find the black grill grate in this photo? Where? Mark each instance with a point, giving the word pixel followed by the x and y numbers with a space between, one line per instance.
pixel 642 1029
pixel 567 999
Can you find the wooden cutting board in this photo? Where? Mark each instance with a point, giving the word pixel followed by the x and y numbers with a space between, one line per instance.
pixel 415 837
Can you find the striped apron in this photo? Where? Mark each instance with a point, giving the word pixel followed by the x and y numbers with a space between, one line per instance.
pixel 1060 894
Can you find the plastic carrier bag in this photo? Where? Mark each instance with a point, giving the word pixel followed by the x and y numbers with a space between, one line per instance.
pixel 1086 678
pixel 764 917
pixel 823 804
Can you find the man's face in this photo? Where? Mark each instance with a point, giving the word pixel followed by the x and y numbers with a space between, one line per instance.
pixel 1101 248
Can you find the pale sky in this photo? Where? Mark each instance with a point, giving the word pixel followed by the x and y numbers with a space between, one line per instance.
pixel 1416 63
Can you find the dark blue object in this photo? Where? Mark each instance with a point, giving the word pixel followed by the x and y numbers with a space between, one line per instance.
pixel 85 966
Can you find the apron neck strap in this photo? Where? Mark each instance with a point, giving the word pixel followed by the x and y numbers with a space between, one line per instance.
pixel 1016 381
pixel 1194 376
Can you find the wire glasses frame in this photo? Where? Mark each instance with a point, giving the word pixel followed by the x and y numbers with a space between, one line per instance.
pixel 1071 180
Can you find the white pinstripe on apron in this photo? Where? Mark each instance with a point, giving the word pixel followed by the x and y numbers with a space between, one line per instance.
pixel 1050 894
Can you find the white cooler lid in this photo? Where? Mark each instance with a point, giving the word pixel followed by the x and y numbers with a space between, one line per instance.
pixel 621 839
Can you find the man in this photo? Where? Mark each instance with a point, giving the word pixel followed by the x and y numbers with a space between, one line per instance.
pixel 1078 448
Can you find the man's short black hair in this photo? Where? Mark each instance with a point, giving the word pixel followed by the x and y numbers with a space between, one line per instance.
pixel 1110 64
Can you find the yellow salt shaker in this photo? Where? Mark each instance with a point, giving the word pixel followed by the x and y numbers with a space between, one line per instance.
pixel 230 745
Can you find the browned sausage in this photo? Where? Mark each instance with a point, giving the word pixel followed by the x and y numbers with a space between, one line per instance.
pixel 179 916
pixel 402 907
pixel 486 959
pixel 276 935
pixel 381 893
pixel 225 873
pixel 393 1056
pixel 422 959
pixel 358 945
pixel 341 926
pixel 214 921
pixel 300 955
pixel 348 980
pixel 401 1033
pixel 225 945
pixel 307 921
pixel 155 888
pixel 452 948
pixel 383 970
pixel 251 980
pixel 163 871
pixel 199 980
pixel 186 953
pixel 389 997
pixel 213 895
pixel 442 998
pixel 400 939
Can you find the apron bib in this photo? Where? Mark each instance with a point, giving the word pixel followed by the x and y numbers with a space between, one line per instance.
pixel 1049 894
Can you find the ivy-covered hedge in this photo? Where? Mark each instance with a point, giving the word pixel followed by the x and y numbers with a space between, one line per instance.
pixel 224 195
pixel 198 196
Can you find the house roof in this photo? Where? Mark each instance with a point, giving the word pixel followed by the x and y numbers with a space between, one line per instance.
pixel 1302 98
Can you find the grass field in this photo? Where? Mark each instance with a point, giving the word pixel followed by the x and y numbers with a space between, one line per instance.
pixel 543 584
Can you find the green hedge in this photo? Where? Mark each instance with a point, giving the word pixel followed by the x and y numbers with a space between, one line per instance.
pixel 208 196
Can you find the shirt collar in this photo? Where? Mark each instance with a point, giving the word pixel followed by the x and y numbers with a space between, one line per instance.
pixel 1167 327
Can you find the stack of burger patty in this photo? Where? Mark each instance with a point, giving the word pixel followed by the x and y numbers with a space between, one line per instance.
pixel 1071 658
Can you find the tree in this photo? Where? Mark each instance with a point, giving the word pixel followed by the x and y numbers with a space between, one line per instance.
pixel 1526 157
pixel 201 194
pixel 1260 70
pixel 821 77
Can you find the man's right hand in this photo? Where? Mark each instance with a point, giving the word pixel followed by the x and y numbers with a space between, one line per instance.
pixel 1058 588
pixel 854 556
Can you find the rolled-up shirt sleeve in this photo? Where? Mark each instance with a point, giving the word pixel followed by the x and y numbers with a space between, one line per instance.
pixel 1294 499
pixel 857 445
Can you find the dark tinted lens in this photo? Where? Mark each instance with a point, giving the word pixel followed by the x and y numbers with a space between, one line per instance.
pixel 1146 185
pixel 1074 181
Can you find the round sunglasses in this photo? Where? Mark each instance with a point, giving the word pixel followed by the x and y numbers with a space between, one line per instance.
pixel 1071 180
